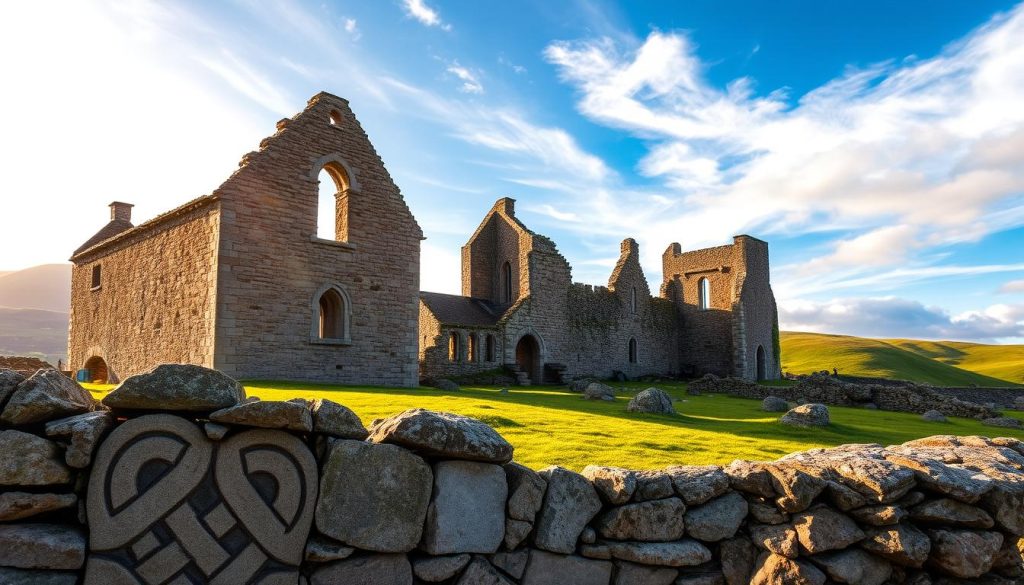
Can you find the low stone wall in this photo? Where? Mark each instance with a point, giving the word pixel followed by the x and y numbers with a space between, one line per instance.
pixel 825 389
pixel 178 478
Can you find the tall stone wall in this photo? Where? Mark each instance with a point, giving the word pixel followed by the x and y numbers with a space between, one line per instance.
pixel 273 267
pixel 157 296
pixel 178 478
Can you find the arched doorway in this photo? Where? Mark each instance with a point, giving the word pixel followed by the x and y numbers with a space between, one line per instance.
pixel 528 357
pixel 97 369
pixel 762 366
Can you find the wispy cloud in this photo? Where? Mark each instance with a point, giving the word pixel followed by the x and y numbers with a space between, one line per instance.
pixel 470 82
pixel 419 10
pixel 352 28
pixel 1012 287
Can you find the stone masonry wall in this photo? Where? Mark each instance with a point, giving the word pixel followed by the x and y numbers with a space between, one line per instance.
pixel 157 297
pixel 177 477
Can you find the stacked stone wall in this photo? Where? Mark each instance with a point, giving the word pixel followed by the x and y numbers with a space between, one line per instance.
pixel 177 477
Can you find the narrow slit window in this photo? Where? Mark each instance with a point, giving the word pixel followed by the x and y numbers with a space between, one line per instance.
pixel 632 350
pixel 97 276
pixel 704 294
pixel 454 347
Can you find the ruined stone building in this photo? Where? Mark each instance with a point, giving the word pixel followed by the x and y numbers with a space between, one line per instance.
pixel 520 310
pixel 239 280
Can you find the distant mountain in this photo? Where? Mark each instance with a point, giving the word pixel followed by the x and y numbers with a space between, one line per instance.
pixel 942 363
pixel 34 332
pixel 46 287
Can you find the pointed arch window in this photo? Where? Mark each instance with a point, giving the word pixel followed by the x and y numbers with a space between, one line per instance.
pixel 332 203
pixel 505 283
pixel 632 350
pixel 704 294
pixel 332 316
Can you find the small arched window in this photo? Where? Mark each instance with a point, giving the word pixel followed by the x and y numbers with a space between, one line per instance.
pixel 489 348
pixel 332 203
pixel 632 300
pixel 704 294
pixel 632 350
pixel 454 347
pixel 472 356
pixel 332 313
pixel 336 118
pixel 505 283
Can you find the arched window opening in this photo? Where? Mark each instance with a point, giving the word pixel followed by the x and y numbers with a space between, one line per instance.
pixel 96 370
pixel 96 276
pixel 336 119
pixel 632 350
pixel 505 283
pixel 332 315
pixel 489 348
pixel 332 203
pixel 632 301
pixel 472 356
pixel 454 347
pixel 704 294
pixel 762 364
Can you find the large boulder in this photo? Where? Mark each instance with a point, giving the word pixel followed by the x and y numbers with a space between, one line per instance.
pixel 446 385
pixel 615 485
pixel 652 400
pixel 598 391
pixel 525 492
pixel 656 520
pixel 373 497
pixel 807 415
pixel 442 434
pixel 29 460
pixel 569 504
pixel 774 404
pixel 1006 422
pixel 292 415
pixel 41 546
pixel 934 416
pixel 388 569
pixel 331 418
pixel 544 568
pixel 717 519
pixel 85 431
pixel 467 508
pixel 177 387
pixel 46 396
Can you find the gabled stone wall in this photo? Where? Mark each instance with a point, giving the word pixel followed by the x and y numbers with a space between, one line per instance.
pixel 178 478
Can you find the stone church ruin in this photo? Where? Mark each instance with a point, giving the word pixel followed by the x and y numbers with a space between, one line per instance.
pixel 239 280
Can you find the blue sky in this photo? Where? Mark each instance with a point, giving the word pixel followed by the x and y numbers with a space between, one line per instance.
pixel 877 146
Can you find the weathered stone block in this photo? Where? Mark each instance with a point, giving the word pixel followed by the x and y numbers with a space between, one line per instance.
pixel 467 508
pixel 569 504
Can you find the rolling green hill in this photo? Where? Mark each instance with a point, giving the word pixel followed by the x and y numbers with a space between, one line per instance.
pixel 942 363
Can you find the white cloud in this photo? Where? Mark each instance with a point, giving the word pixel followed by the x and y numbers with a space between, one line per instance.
pixel 352 28
pixel 901 156
pixel 470 82
pixel 896 317
pixel 1014 286
pixel 419 10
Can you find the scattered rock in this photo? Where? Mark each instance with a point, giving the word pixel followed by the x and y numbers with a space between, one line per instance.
pixel 545 568
pixel 569 504
pixel 966 554
pixel 178 387
pixel 934 416
pixel 581 384
pixel 681 553
pixel 697 484
pixel 774 404
pixel 18 505
pixel 446 385
pixel 655 520
pixel 615 485
pixel 807 415
pixel 434 569
pixel 29 460
pixel 775 569
pixel 1003 421
pixel 718 519
pixel 85 431
pixel 331 418
pixel 41 546
pixel 467 509
pixel 651 400
pixel 525 492
pixel 387 569
pixel 854 566
pixel 373 497
pixel 903 544
pixel 323 550
pixel 292 415
pixel 634 574
pixel 598 391
pixel 823 529
pixel 443 434
pixel 46 395
pixel 949 512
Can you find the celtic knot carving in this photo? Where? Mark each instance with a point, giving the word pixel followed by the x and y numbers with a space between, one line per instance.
pixel 167 505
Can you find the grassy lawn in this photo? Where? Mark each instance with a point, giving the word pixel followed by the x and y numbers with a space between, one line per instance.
pixel 550 425
pixel 939 363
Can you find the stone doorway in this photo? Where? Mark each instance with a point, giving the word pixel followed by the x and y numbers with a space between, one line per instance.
pixel 762 366
pixel 97 369
pixel 528 357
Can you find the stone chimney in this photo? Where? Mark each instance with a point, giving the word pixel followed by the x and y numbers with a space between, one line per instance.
pixel 122 211
pixel 507 205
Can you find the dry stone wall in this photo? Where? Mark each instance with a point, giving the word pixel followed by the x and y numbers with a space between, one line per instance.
pixel 177 477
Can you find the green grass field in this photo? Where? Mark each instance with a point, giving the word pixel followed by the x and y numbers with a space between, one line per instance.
pixel 554 426
pixel 941 363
